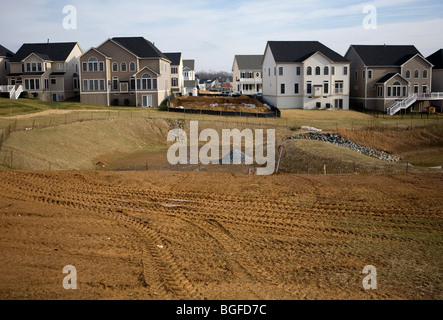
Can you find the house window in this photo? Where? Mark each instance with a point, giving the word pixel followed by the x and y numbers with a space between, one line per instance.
pixel 396 88
pixel 173 69
pixel 123 67
pixel 114 67
pixel 174 82
pixel 282 88
pixel 380 91
pixel 280 71
pixel 93 64
pixel 132 83
pixel 369 74
pixel 363 75
pixel 53 80
pixel 102 84
pixel 115 83
pixel 425 88
pixel 250 75
pixel 345 71
pixel 309 87
pixel 298 70
pixel 85 85
pixel 416 73
pixel 317 71
pixel 389 91
pixel 404 91
pixel 332 70
pixel 243 75
pixel 326 71
pixel 85 67
pixel 74 83
pixel 46 84
pixel 416 88
pixel 326 87
pixel 356 74
pixel 60 65
pixel 269 72
pixel 339 87
pixel 309 71
pixel 132 67
pixel 296 88
pixel 338 103
pixel 425 74
pixel 146 82
pixel 408 74
pixel 32 84
pixel 101 66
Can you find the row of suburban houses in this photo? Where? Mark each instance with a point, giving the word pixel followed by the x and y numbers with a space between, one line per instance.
pixel 132 71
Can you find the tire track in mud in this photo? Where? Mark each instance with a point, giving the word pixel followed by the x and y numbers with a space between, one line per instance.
pixel 163 276
pixel 266 213
pixel 220 217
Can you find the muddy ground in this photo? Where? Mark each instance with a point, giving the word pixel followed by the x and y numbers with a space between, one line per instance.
pixel 200 235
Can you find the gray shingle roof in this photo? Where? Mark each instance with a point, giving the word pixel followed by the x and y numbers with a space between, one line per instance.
pixel 139 46
pixel 385 55
pixel 299 51
pixel 436 59
pixel 48 51
pixel 189 63
pixel 174 57
pixel 249 62
pixel 5 52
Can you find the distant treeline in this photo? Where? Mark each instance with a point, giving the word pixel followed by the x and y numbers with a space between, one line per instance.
pixel 213 74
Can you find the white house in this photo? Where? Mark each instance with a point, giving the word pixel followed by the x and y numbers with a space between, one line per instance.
pixel 190 83
pixel 305 75
pixel 247 72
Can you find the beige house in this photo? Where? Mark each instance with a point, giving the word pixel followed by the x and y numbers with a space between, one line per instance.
pixel 47 71
pixel 127 71
pixel 177 79
pixel 247 74
pixel 389 78
pixel 5 57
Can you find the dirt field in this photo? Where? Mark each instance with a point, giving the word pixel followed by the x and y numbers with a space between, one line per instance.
pixel 197 235
pixel 237 104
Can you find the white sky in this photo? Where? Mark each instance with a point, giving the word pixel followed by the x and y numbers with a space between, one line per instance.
pixel 212 32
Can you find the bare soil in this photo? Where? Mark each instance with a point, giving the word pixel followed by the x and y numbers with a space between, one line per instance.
pixel 198 235
pixel 237 104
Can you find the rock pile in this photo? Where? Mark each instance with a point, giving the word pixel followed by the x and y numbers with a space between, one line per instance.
pixel 337 140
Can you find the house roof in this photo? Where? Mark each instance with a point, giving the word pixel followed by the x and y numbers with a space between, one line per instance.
pixel 174 57
pixel 385 55
pixel 139 46
pixel 189 63
pixel 47 51
pixel 190 83
pixel 386 77
pixel 250 62
pixel 5 52
pixel 436 59
pixel 226 85
pixel 299 51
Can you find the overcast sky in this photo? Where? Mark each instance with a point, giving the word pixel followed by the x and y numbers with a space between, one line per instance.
pixel 212 32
